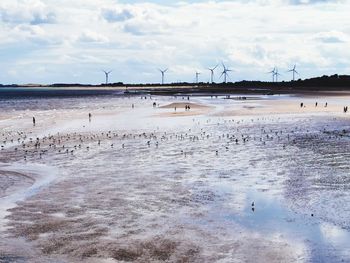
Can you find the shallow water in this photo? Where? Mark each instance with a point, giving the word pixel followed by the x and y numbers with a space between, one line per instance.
pixel 177 188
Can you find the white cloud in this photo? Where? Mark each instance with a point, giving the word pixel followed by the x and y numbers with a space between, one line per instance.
pixel 93 37
pixel 331 37
pixel 250 36
pixel 116 14
pixel 27 11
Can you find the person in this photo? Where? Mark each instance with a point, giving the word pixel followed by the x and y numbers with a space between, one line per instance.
pixel 188 107
pixel 33 121
pixel 326 105
pixel 154 104
pixel 316 104
pixel 175 109
pixel 90 117
pixel 301 105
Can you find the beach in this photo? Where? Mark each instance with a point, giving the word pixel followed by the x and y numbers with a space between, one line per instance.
pixel 239 178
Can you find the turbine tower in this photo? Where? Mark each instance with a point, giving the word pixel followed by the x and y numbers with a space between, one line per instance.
pixel 225 72
pixel 197 76
pixel 276 74
pixel 294 71
pixel 163 72
pixel 212 73
pixel 273 72
pixel 107 75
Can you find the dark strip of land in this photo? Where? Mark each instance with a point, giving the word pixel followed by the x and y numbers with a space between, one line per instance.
pixel 324 84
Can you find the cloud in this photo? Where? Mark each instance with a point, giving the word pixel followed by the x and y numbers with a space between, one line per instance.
pixel 308 2
pixel 116 15
pixel 33 12
pixel 249 36
pixel 331 37
pixel 92 37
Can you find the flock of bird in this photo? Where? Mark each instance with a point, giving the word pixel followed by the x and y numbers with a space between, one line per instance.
pixel 209 137
pixel 20 143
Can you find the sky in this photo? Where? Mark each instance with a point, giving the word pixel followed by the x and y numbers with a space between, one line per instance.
pixel 65 41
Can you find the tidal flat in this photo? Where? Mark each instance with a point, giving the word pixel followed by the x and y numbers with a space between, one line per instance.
pixel 229 180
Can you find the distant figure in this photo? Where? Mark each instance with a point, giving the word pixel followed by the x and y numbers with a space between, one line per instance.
pixel 33 121
pixel 316 104
pixel 175 109
pixel 133 106
pixel 188 97
pixel 326 105
pixel 346 109
pixel 154 104
pixel 188 107
pixel 185 107
pixel 301 105
pixel 90 117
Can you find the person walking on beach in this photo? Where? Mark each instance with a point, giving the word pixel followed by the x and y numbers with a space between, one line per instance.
pixel 33 121
pixel 316 104
pixel 301 105
pixel 326 105
pixel 90 117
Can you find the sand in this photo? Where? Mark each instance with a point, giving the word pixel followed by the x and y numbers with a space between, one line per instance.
pixel 139 188
pixel 195 109
pixel 286 106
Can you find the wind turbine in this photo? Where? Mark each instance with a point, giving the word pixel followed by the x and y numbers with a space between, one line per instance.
pixel 294 71
pixel 212 73
pixel 276 74
pixel 225 72
pixel 197 76
pixel 163 72
pixel 107 75
pixel 273 74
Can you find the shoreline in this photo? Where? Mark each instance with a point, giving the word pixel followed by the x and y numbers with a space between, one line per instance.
pixel 173 90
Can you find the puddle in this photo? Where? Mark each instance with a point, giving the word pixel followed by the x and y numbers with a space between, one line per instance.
pixel 268 216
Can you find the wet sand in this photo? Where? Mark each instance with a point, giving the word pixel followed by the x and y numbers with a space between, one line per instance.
pixel 11 182
pixel 130 186
pixel 178 109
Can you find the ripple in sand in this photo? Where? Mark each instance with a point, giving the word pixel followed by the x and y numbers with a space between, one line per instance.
pixel 12 182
